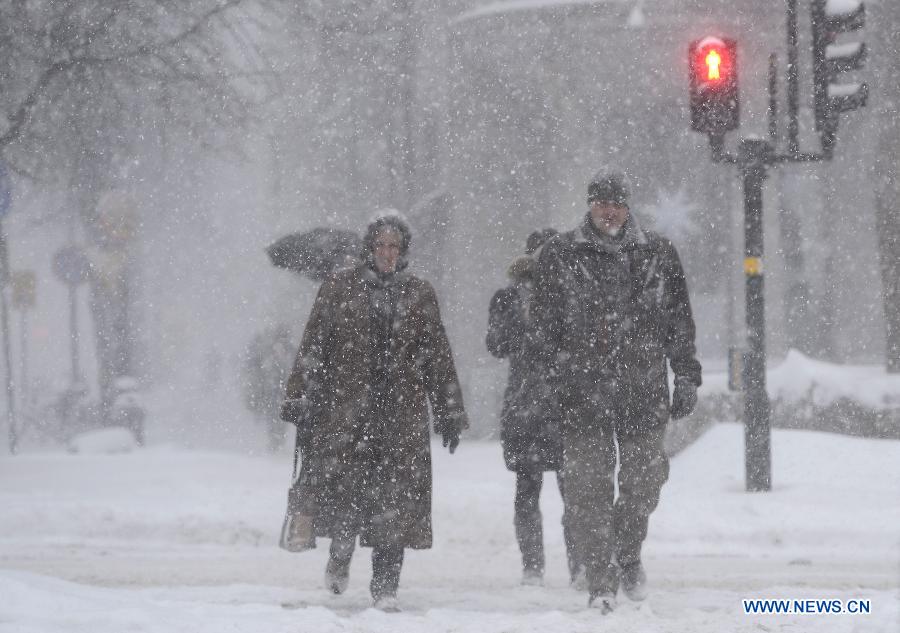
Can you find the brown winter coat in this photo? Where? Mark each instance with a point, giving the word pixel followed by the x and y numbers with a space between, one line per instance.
pixel 384 494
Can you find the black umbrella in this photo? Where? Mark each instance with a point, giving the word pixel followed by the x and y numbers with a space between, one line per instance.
pixel 316 253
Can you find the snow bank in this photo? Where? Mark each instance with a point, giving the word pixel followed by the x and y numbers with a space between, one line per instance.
pixel 809 394
pixel 800 378
pixel 112 440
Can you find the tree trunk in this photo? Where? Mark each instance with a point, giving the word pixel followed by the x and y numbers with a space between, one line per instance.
pixel 887 201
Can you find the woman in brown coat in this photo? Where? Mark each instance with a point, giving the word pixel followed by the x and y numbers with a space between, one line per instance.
pixel 374 354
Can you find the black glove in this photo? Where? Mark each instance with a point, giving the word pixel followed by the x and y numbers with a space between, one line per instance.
pixel 451 438
pixel 684 398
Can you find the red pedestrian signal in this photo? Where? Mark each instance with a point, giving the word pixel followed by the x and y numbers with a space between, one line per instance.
pixel 713 85
pixel 713 61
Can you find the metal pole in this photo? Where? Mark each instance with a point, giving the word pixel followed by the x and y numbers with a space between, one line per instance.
pixel 73 333
pixel 754 155
pixel 408 50
pixel 4 325
pixel 793 85
pixel 773 99
pixel 23 352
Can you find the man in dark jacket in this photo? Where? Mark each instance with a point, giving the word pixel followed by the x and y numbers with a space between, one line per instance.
pixel 529 430
pixel 374 356
pixel 612 307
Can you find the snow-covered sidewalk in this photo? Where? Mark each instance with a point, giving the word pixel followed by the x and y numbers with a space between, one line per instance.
pixel 166 539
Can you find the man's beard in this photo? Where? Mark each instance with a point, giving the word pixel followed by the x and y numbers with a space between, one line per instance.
pixel 612 231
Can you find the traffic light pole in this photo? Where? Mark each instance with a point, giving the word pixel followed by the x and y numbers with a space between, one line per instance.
pixel 714 111
pixel 793 80
pixel 754 156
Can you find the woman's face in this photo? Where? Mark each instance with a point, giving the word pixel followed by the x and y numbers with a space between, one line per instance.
pixel 386 249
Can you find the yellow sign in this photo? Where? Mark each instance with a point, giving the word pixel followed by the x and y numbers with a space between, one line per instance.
pixel 23 283
pixel 753 266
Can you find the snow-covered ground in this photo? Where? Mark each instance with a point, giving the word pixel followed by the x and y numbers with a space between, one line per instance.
pixel 169 539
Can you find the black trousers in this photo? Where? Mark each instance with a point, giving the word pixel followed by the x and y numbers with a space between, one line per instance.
pixel 529 522
pixel 387 560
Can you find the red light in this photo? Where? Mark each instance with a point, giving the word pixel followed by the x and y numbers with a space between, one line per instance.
pixel 713 62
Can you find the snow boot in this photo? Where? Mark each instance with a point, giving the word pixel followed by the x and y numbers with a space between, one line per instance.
pixel 337 575
pixel 634 581
pixel 579 579
pixel 532 578
pixel 606 602
pixel 387 603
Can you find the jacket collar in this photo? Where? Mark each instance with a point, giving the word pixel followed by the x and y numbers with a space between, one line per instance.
pixel 372 278
pixel 634 235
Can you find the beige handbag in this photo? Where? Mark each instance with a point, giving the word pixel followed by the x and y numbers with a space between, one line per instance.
pixel 298 531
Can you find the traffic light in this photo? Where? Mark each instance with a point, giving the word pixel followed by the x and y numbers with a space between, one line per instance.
pixel 829 20
pixel 714 85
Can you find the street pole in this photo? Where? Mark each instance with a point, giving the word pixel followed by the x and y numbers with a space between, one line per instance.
pixel 4 326
pixel 23 353
pixel 793 80
pixel 74 342
pixel 73 333
pixel 773 99
pixel 714 111
pixel 753 157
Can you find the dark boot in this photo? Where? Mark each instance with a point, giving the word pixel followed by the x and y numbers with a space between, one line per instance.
pixel 529 526
pixel 634 581
pixel 337 571
pixel 386 564
pixel 605 602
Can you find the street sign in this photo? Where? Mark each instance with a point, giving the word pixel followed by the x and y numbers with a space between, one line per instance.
pixel 23 284
pixel 71 265
pixel 5 191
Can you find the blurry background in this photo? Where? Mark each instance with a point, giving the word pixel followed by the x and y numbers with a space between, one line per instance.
pixel 154 149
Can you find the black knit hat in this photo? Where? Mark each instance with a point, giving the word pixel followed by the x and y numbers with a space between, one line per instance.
pixel 609 187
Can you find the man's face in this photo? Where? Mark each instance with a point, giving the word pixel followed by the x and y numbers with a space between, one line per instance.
pixel 609 217
pixel 386 250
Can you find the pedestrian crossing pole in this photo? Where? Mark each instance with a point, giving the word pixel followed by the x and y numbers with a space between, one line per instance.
pixel 715 110
pixel 753 157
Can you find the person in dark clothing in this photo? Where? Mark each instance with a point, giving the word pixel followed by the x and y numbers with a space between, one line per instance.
pixel 611 307
pixel 529 431
pixel 374 356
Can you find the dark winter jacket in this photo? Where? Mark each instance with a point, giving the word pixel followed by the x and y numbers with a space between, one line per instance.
pixel 529 430
pixel 373 355
pixel 610 313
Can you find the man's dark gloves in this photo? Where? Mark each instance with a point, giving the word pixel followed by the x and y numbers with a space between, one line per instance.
pixel 684 398
pixel 451 438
